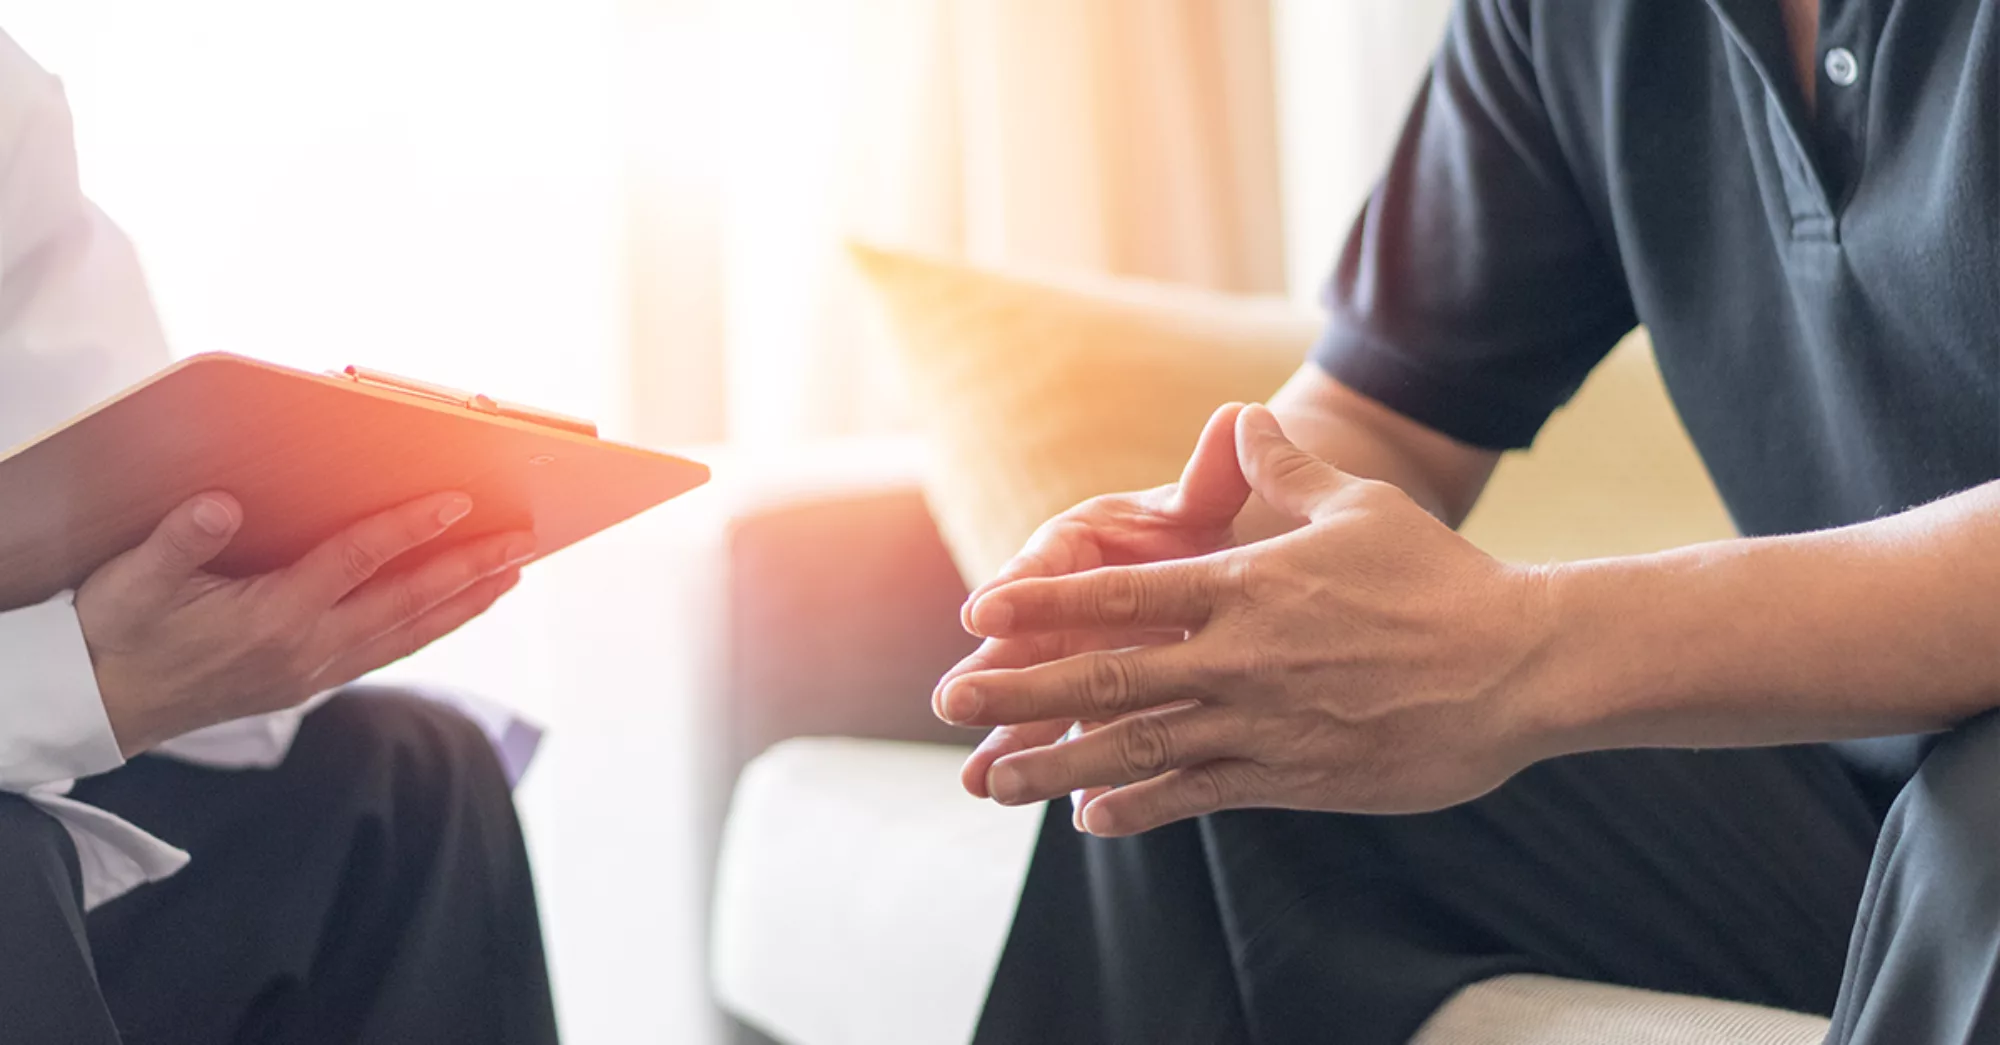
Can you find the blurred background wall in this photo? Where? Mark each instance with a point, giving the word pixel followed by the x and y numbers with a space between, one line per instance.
pixel 633 210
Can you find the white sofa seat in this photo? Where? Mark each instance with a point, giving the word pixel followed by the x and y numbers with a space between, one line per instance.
pixel 863 899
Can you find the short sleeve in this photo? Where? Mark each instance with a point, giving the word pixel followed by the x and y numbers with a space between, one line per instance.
pixel 1475 291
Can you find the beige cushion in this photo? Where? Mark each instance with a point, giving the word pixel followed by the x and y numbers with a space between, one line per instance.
pixel 1612 473
pixel 1038 391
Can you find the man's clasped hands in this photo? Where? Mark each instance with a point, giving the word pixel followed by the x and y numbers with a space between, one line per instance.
pixel 1368 660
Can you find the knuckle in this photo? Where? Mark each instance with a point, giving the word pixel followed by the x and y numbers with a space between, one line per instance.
pixel 1041 649
pixel 1295 465
pixel 1120 599
pixel 1248 578
pixel 1098 507
pixel 1152 502
pixel 1085 509
pixel 274 627
pixel 492 561
pixel 180 542
pixel 419 526
pixel 359 561
pixel 1047 538
pixel 1145 748
pixel 1208 789
pixel 1284 462
pixel 407 602
pixel 1373 495
pixel 1107 684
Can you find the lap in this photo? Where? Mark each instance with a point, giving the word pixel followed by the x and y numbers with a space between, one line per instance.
pixel 367 747
pixel 292 866
pixel 1728 873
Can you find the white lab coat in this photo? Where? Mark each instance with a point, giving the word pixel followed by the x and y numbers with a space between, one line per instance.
pixel 76 324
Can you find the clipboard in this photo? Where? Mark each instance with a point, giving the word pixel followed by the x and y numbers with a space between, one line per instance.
pixel 307 455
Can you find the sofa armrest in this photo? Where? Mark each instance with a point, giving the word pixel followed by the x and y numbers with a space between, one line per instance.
pixel 842 605
pixel 843 612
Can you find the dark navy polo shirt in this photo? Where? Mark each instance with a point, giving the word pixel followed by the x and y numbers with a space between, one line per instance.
pixel 1822 288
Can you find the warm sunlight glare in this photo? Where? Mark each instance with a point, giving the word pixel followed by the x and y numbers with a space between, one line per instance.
pixel 431 188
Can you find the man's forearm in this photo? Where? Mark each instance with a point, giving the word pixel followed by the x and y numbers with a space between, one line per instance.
pixel 1887 627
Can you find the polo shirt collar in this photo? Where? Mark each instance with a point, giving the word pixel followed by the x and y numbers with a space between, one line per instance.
pixel 1758 28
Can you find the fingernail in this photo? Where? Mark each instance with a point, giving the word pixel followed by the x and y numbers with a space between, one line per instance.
pixel 213 518
pixel 1096 819
pixel 1006 785
pixel 454 509
pixel 991 616
pixel 520 550
pixel 961 703
pixel 1076 809
pixel 937 693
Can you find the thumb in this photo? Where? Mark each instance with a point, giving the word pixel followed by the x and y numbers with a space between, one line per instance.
pixel 1212 487
pixel 186 540
pixel 1286 477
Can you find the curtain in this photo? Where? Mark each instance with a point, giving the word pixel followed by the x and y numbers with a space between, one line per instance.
pixel 1345 72
pixel 424 186
pixel 1136 137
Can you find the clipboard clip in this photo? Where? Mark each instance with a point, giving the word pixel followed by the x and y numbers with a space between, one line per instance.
pixel 469 400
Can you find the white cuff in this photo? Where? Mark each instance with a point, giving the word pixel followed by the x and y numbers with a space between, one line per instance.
pixel 115 857
pixel 257 742
pixel 52 721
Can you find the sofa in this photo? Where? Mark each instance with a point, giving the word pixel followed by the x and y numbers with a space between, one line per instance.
pixel 860 898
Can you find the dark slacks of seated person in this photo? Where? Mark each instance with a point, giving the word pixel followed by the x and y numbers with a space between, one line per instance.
pixel 371 888
pixel 1808 222
pixel 1731 874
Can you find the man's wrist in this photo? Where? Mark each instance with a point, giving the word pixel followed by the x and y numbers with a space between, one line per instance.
pixel 1617 642
pixel 1777 640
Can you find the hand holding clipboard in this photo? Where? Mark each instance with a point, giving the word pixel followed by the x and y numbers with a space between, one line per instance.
pixel 292 506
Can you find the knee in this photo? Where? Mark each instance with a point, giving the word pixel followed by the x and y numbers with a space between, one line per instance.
pixel 428 764
pixel 384 719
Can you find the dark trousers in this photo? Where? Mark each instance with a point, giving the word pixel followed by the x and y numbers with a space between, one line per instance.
pixel 373 888
pixel 1734 874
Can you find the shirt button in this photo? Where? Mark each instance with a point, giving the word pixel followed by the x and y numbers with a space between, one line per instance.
pixel 1842 67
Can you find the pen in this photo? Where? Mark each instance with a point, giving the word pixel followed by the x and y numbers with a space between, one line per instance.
pixel 469 400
